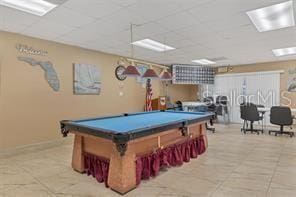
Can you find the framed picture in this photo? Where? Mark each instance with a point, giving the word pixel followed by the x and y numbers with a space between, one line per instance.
pixel 87 79
pixel 142 69
pixel 291 82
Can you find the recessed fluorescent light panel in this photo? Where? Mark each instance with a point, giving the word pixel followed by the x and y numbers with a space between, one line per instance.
pixel 153 45
pixel 285 51
pixel 36 7
pixel 204 62
pixel 273 17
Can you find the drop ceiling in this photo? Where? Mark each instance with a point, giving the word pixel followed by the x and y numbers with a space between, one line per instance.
pixel 198 29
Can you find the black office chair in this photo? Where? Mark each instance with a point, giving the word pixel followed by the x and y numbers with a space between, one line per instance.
pixel 260 106
pixel 169 104
pixel 249 112
pixel 261 113
pixel 222 107
pixel 281 116
pixel 211 107
pixel 179 106
pixel 210 103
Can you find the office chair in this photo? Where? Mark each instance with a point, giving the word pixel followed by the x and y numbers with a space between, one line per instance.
pixel 281 116
pixel 179 106
pixel 249 112
pixel 210 103
pixel 169 104
pixel 222 107
pixel 262 113
pixel 211 107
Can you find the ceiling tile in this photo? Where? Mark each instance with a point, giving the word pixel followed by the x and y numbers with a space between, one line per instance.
pixel 12 28
pixel 14 17
pixel 122 20
pixel 69 17
pixel 197 28
pixel 234 22
pixel 155 9
pixel 93 8
pixel 195 32
pixel 178 21
pixel 125 3
pixel 148 30
pixel 48 27
pixel 218 10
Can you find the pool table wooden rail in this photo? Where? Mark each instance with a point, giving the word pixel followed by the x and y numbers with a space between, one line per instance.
pixel 121 139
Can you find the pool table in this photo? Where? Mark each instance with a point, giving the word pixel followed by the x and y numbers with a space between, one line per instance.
pixel 120 140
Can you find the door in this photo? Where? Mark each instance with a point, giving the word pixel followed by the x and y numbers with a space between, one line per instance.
pixel 259 88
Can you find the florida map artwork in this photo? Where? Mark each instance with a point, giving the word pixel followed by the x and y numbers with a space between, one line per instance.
pixel 50 74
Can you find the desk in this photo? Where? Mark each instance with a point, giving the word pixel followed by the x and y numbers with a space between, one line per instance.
pixel 113 145
pixel 264 110
pixel 192 106
pixel 267 109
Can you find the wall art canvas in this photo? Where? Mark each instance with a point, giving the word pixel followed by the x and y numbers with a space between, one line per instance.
pixel 291 82
pixel 87 79
pixel 142 69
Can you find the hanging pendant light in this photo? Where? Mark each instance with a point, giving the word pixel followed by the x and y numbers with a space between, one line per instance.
pixel 165 75
pixel 131 71
pixel 150 74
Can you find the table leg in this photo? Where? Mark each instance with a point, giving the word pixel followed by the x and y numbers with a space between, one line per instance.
pixel 122 171
pixel 265 124
pixel 203 132
pixel 77 156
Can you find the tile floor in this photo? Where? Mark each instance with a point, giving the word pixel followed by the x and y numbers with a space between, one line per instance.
pixel 234 165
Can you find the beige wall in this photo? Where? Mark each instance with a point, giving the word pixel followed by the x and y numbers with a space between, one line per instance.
pixel 30 110
pixel 281 65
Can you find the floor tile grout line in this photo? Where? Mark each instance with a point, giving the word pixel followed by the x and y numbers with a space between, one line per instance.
pixel 277 164
pixel 38 181
pixel 220 184
pixel 238 149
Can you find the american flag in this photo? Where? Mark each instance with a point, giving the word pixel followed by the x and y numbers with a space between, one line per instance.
pixel 148 106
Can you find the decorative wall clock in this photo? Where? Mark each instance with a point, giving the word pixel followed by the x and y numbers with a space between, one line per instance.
pixel 119 73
